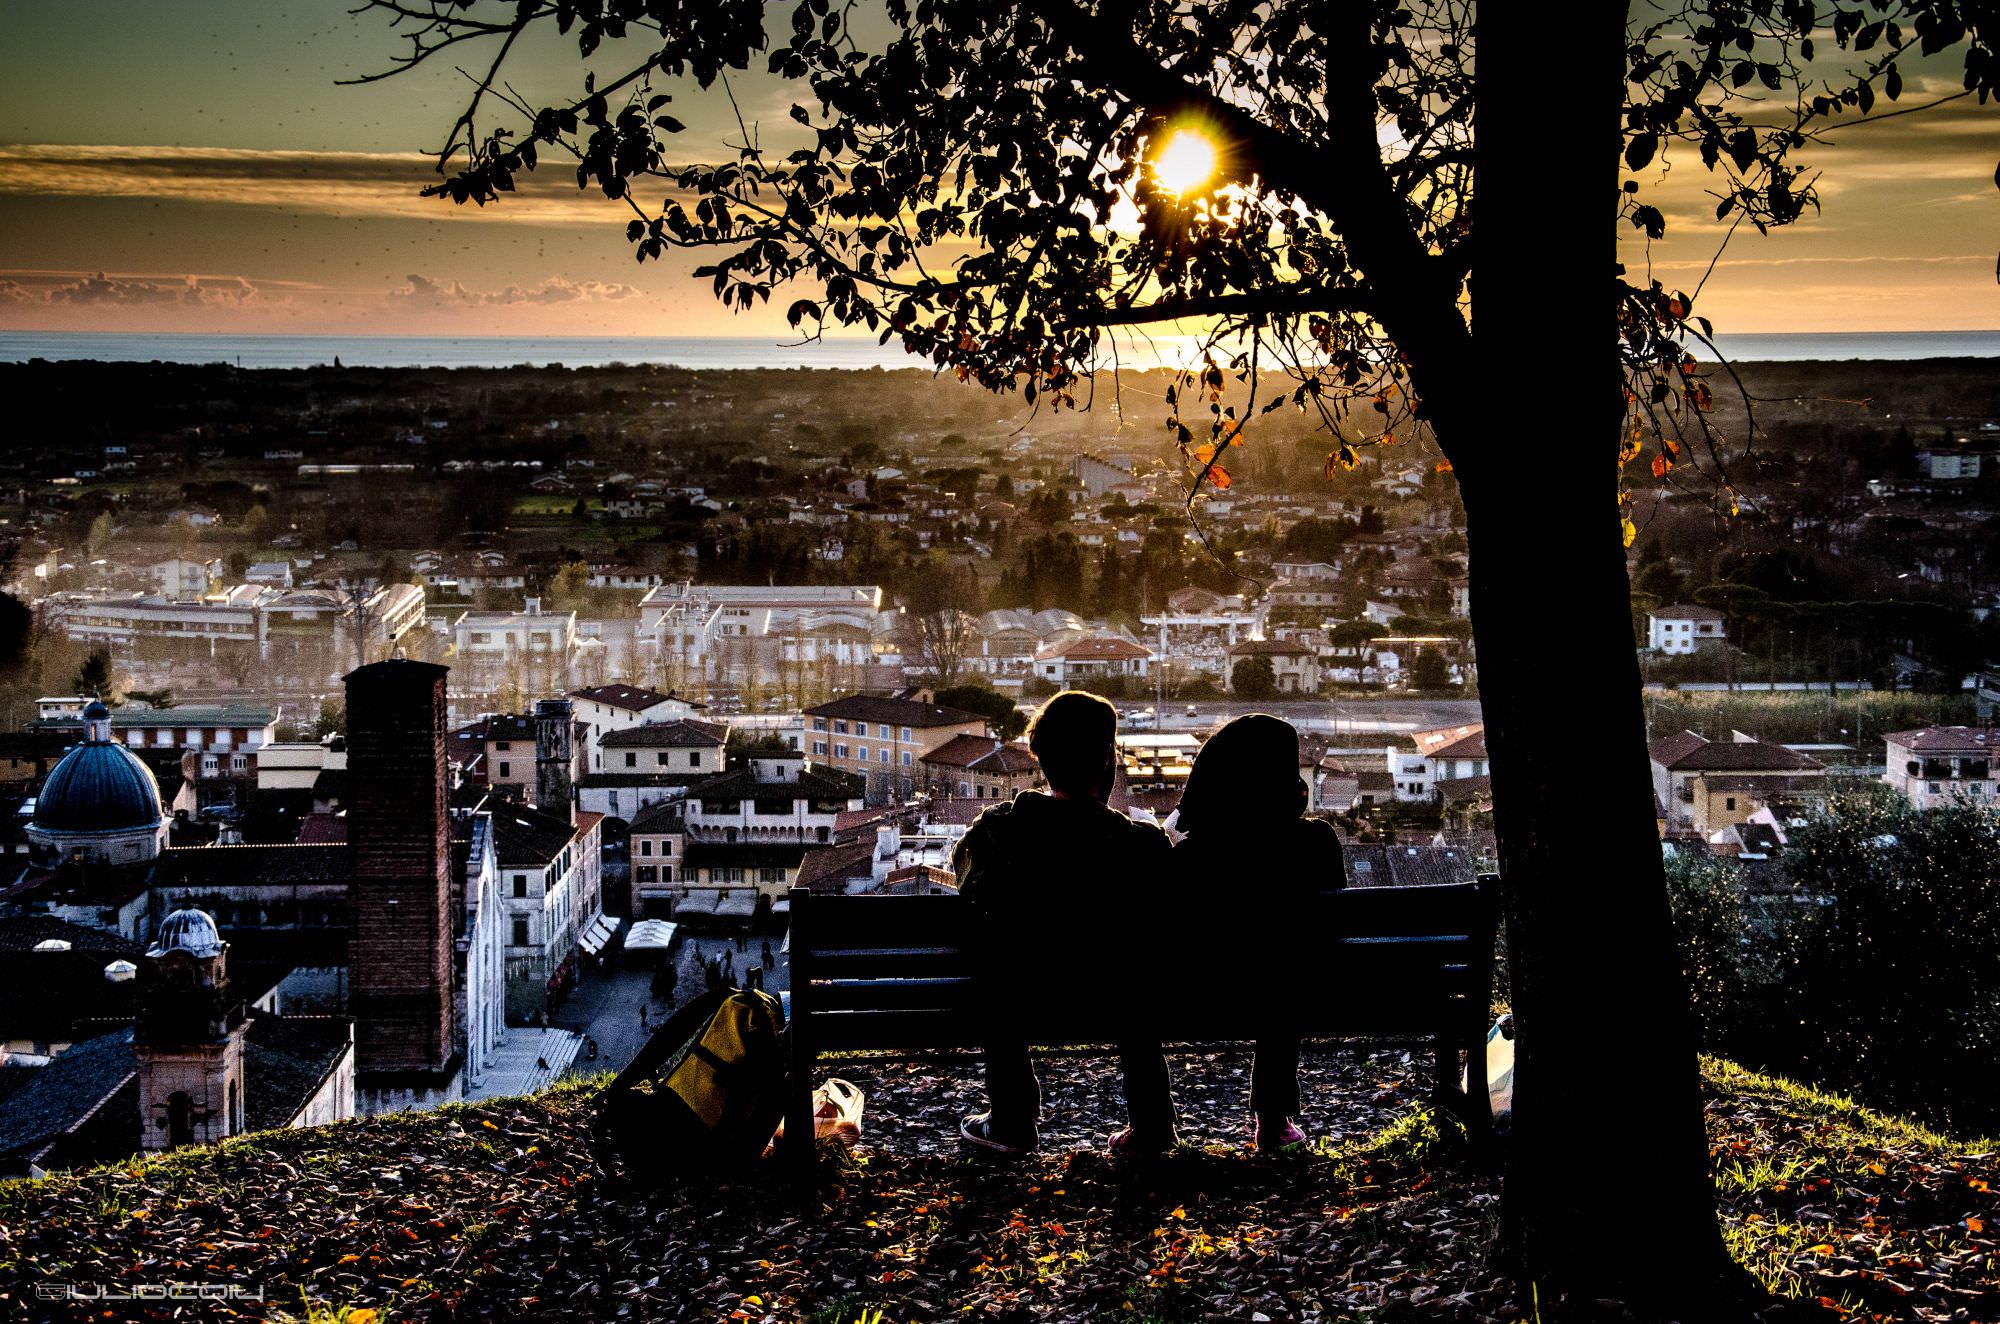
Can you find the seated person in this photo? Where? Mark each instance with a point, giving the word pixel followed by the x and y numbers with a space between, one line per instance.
pixel 1242 816
pixel 1057 871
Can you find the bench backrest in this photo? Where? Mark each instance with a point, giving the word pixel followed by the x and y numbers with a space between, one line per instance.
pixel 899 971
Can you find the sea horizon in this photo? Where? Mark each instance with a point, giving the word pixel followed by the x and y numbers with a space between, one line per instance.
pixel 851 353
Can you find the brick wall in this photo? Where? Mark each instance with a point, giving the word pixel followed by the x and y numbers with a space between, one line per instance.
pixel 399 958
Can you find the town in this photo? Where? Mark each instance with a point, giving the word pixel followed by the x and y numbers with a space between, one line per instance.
pixel 369 752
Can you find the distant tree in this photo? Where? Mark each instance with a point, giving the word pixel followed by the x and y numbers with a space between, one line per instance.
pixel 1003 486
pixel 95 677
pixel 943 603
pixel 151 698
pixel 569 587
pixel 332 719
pixel 1253 678
pixel 1430 672
pixel 98 540
pixel 1007 720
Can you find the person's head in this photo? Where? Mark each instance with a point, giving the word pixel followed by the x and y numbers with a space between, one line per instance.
pixel 1247 773
pixel 1075 739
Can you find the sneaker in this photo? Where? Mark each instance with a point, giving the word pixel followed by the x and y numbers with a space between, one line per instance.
pixel 1278 1135
pixel 977 1130
pixel 1127 1143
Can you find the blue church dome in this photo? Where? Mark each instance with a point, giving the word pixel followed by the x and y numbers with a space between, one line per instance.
pixel 100 786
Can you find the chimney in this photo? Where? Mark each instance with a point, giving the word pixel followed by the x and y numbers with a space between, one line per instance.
pixel 399 848
pixel 555 724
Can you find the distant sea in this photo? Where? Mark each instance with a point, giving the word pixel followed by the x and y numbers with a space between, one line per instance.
pixel 755 352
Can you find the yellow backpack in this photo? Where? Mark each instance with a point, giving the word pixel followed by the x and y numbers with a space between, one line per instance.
pixel 703 1096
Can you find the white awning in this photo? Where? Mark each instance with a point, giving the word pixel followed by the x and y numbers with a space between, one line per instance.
pixel 651 935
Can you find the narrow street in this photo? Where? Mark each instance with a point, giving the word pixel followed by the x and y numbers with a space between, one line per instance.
pixel 606 1006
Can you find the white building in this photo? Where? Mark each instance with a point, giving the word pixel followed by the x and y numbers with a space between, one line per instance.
pixel 552 888
pixel 1937 765
pixel 1683 629
pixel 481 948
pixel 489 645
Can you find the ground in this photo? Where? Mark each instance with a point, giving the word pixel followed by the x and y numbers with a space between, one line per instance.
pixel 495 1211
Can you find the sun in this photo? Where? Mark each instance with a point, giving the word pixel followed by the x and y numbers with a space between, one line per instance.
pixel 1186 163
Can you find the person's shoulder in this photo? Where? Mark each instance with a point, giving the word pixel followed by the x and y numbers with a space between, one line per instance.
pixel 1319 832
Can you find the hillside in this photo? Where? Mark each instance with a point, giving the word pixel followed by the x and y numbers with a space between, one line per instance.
pixel 494 1212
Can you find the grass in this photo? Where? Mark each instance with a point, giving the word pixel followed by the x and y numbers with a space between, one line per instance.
pixel 1853 1124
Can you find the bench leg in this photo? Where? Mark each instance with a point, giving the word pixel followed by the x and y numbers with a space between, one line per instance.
pixel 798 1145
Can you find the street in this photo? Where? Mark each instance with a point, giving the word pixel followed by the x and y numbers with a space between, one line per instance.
pixel 606 1006
pixel 1328 716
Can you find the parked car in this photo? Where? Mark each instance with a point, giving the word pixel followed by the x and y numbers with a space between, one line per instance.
pixel 1142 720
pixel 1191 711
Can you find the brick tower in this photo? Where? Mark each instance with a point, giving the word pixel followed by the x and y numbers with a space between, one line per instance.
pixel 399 901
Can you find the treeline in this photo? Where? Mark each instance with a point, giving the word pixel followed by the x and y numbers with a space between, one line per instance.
pixel 1872 970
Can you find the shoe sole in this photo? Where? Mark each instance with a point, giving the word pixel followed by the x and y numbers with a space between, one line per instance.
pixel 994 1146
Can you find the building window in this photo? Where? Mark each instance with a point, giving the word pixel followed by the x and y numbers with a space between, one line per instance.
pixel 694 759
pixel 770 875
pixel 631 760
pixel 502 746
pixel 645 845
pixel 906 733
pixel 647 873
pixel 819 724
pixel 520 933
pixel 840 727
pixel 965 788
pixel 1729 802
pixel 840 751
pixel 819 748
pixel 520 884
pixel 906 758
pixel 882 755
pixel 505 768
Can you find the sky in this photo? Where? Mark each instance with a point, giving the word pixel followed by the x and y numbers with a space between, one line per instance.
pixel 192 165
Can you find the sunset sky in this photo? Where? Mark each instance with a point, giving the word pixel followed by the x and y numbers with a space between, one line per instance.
pixel 191 165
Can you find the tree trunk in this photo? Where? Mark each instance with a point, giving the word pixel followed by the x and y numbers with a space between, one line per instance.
pixel 1608 1190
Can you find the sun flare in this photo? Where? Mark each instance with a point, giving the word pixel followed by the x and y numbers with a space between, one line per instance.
pixel 1186 163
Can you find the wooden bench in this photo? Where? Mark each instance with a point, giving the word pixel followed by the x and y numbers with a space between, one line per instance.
pixel 895 972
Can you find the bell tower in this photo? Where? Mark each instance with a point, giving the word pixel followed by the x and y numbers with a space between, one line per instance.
pixel 188 1041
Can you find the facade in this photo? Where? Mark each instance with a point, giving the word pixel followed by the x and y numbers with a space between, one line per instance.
pixel 882 739
pixel 980 768
pixel 747 831
pixel 1688 767
pixel 1448 753
pixel 608 708
pixel 684 746
pixel 551 885
pixel 494 647
pixel 1683 629
pixel 658 844
pixel 1939 765
pixel 1294 667
pixel 1082 661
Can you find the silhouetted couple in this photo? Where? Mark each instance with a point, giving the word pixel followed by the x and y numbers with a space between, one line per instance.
pixel 1055 874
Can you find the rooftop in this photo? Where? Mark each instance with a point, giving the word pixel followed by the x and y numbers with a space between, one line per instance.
pixel 893 712
pixel 1947 740
pixel 667 735
pixel 630 698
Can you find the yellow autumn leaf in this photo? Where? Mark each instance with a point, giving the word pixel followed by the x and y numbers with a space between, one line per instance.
pixel 366 1315
pixel 1630 529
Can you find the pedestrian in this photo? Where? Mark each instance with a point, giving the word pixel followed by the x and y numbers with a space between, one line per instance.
pixel 769 959
pixel 642 1016
pixel 742 941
